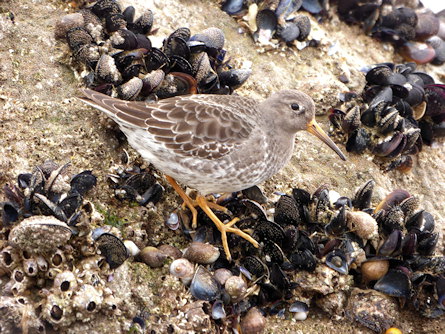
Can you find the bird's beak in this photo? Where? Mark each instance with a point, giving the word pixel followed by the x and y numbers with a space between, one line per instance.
pixel 316 130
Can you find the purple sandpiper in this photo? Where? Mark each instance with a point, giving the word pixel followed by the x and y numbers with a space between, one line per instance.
pixel 214 143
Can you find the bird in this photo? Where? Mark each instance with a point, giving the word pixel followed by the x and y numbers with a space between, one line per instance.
pixel 214 143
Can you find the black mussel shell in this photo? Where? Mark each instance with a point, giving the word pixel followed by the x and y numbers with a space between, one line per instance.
pixel 182 33
pixel 269 231
pixel 127 58
pixel 232 7
pixel 351 121
pixel 415 95
pixel 343 201
pixel 440 290
pixel 103 8
pixel 115 22
pixel 336 117
pixel 286 211
pixel 234 78
pixel 389 121
pixel 305 242
pixel 218 311
pixel 395 283
pixel 151 80
pixel 124 39
pixel 83 182
pixel 304 25
pixel 24 180
pixel 273 252
pixel 337 260
pixel 288 32
pixel 409 244
pixel 78 37
pixel 314 7
pixel 9 213
pixel 47 207
pixel 302 197
pixel 156 59
pixel 322 204
pixel 254 266
pixel 71 203
pixel 426 243
pixel 405 69
pixel 363 196
pixel 404 108
pixel 392 244
pixel 409 206
pixel 303 260
pixel 358 141
pixel 176 83
pixel 379 75
pixel 129 14
pixel 210 83
pixel 143 42
pixel 337 225
pixel 375 95
pixel 254 193
pixel 393 220
pixel 422 221
pixel 175 45
pixel 151 195
pixel 144 23
pixel 112 248
pixel 204 286
pixel 435 99
pixel 180 64
pixel 212 37
pixel 390 147
pixel 426 78
pixel 278 277
pixel 254 209
pixel 426 131
pixel 266 20
pixel 269 293
pixel 400 91
pixel 291 237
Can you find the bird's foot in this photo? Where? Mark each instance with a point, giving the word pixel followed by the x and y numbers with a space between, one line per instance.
pixel 191 203
pixel 224 228
pixel 207 207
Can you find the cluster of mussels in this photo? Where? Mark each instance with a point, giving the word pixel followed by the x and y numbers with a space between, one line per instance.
pixel 399 110
pixel 417 34
pixel 268 20
pixel 135 184
pixel 54 269
pixel 120 59
pixel 321 248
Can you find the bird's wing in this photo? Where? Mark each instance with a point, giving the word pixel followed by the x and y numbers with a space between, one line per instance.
pixel 204 126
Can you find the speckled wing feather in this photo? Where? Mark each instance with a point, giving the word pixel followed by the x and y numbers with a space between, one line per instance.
pixel 204 126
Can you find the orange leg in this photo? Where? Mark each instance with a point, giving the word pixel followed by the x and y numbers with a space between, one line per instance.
pixel 224 228
pixel 206 207
pixel 187 200
pixel 190 203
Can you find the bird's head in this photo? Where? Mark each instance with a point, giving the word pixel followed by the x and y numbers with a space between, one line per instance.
pixel 293 111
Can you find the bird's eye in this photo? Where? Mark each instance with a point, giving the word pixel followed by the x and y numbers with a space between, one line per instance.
pixel 295 106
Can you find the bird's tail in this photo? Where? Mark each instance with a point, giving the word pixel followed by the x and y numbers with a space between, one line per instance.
pixel 99 101
pixel 128 114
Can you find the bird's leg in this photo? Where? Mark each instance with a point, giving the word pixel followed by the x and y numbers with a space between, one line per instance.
pixel 190 203
pixel 224 228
